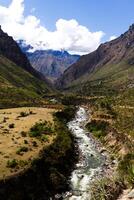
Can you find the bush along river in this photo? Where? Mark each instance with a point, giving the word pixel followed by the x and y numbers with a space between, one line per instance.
pixel 94 161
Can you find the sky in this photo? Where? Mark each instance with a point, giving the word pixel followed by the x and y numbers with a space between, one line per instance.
pixel 78 26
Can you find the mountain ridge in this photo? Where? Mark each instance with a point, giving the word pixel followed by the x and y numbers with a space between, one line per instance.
pixel 51 63
pixel 110 54
pixel 10 49
pixel 20 84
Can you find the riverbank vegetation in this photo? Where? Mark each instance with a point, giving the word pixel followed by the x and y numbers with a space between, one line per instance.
pixel 112 123
pixel 49 171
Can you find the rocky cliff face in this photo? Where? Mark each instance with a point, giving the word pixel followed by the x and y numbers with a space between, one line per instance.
pixel 10 49
pixel 109 53
pixel 50 63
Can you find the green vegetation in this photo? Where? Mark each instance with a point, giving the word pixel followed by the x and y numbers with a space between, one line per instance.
pixel 45 138
pixel 58 158
pixel 98 128
pixel 108 80
pixel 66 115
pixel 16 163
pixel 40 129
pixel 22 163
pixel 18 87
pixel 24 114
pixel 12 163
pixel 70 99
pixel 22 150
pixel 126 169
pixel 106 189
pixel 114 117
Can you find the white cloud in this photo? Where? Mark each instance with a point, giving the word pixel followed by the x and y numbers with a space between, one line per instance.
pixel 69 34
pixel 112 37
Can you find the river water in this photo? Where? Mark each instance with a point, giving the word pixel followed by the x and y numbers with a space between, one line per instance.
pixel 91 161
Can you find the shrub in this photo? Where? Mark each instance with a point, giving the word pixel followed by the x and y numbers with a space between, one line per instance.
pixel 22 150
pixel 25 142
pixel 31 112
pixel 106 189
pixel 22 163
pixel 34 143
pixel 41 128
pixel 98 128
pixel 11 125
pixel 4 120
pixel 12 163
pixel 66 115
pixel 23 114
pixel 44 138
pixel 23 134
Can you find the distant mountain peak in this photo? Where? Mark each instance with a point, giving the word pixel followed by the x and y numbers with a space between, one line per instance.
pixel 131 28
pixel 51 63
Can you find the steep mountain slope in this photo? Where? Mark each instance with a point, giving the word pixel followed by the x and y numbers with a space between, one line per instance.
pixel 17 86
pixel 52 63
pixel 10 49
pixel 20 84
pixel 49 62
pixel 111 65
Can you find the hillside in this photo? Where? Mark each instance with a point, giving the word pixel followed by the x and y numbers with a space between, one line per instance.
pixel 110 66
pixel 20 84
pixel 17 86
pixel 10 49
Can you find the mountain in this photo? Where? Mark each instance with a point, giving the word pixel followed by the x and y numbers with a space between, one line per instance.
pixel 52 63
pixel 49 62
pixel 19 82
pixel 10 49
pixel 110 66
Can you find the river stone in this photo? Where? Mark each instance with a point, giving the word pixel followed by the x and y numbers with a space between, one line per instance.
pixel 131 194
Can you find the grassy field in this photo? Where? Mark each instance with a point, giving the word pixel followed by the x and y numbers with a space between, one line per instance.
pixel 17 147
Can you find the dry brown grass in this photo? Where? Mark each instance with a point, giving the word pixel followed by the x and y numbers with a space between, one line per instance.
pixel 11 139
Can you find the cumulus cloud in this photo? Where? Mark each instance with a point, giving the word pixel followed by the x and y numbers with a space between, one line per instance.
pixel 112 37
pixel 68 35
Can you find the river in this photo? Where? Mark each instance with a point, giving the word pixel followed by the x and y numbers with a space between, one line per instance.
pixel 91 161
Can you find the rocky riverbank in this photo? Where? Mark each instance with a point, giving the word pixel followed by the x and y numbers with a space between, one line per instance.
pixel 102 125
pixel 94 161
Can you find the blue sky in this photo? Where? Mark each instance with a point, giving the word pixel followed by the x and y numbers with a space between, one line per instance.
pixel 113 17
